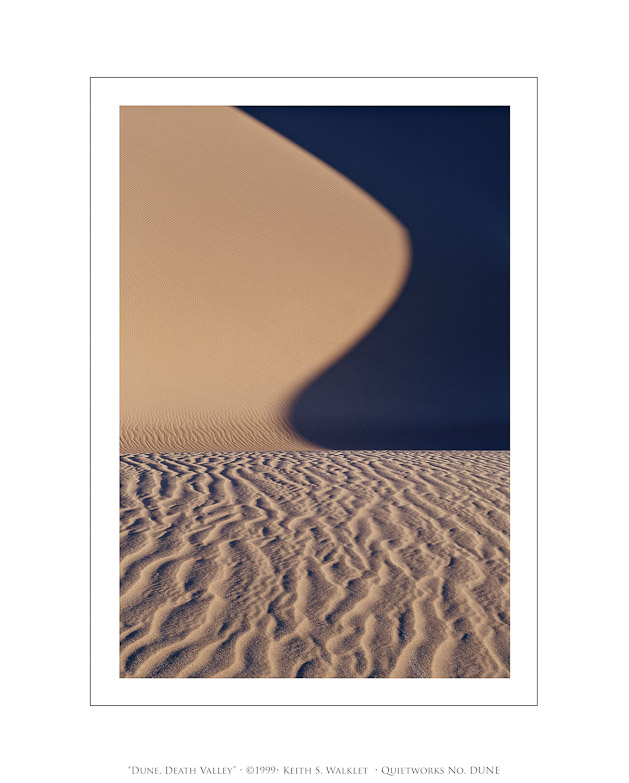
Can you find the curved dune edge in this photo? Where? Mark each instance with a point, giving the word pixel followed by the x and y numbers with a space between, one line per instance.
pixel 315 564
pixel 248 267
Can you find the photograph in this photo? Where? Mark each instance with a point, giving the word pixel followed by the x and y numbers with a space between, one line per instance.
pixel 314 391
pixel 314 319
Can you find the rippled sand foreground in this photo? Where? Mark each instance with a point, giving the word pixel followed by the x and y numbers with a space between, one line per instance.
pixel 315 564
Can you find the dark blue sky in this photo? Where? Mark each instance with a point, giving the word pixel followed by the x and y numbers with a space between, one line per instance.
pixel 434 373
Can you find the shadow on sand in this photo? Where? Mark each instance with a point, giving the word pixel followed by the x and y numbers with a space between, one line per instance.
pixel 434 373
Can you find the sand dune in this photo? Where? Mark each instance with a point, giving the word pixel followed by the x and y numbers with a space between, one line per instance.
pixel 248 267
pixel 315 564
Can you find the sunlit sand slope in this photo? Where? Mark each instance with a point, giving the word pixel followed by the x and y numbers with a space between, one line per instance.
pixel 315 564
pixel 248 267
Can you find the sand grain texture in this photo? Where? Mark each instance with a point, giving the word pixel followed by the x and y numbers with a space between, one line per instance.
pixel 315 564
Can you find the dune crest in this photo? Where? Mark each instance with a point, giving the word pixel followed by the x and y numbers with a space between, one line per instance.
pixel 315 564
pixel 248 266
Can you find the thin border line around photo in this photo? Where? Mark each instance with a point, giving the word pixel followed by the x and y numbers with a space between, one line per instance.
pixel 536 78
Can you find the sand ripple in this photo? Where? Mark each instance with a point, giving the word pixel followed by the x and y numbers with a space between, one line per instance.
pixel 315 564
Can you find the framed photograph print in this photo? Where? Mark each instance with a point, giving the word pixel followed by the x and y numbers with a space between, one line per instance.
pixel 314 449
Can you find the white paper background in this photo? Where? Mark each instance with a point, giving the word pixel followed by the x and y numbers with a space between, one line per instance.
pixel 50 50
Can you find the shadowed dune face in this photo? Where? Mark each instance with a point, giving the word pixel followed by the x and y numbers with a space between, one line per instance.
pixel 315 564
pixel 248 267
pixel 434 372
